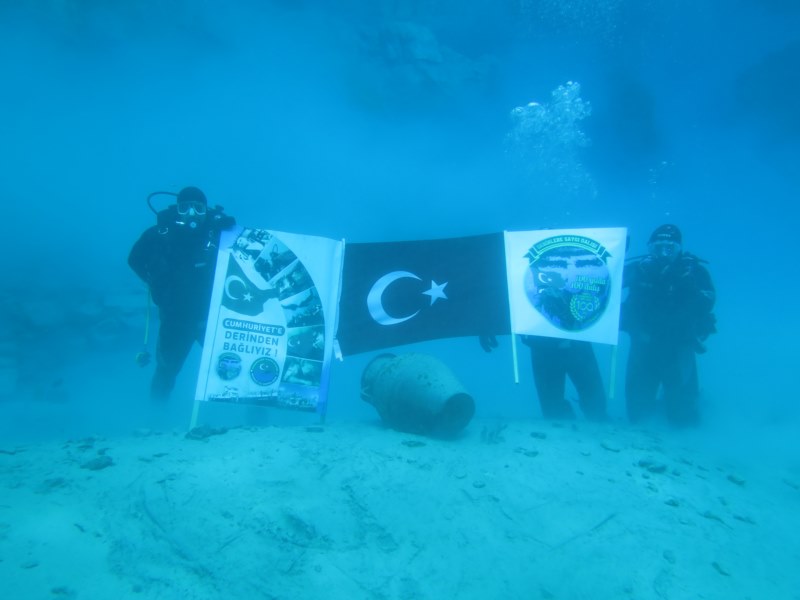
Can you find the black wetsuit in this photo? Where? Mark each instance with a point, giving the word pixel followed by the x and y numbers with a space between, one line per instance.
pixel 555 359
pixel 668 316
pixel 178 264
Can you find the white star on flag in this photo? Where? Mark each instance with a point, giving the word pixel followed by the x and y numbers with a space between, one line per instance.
pixel 436 291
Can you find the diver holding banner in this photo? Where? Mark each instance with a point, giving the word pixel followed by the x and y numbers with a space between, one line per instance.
pixel 176 258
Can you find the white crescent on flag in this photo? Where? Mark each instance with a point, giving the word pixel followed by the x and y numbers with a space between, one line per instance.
pixel 375 298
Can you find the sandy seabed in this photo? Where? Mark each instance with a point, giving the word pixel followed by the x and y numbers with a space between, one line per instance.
pixel 517 509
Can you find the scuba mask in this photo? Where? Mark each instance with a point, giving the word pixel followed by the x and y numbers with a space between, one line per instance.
pixel 665 243
pixel 185 213
pixel 665 250
pixel 191 209
pixel 191 214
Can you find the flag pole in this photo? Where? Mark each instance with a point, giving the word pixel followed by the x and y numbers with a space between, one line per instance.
pixel 195 414
pixel 514 356
pixel 612 377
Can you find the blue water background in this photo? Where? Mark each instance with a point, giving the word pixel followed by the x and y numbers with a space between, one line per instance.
pixel 389 121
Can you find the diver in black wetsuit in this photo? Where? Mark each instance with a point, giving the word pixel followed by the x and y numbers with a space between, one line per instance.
pixel 176 258
pixel 668 315
pixel 553 360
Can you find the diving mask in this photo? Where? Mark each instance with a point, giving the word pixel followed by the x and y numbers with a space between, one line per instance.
pixel 192 209
pixel 665 249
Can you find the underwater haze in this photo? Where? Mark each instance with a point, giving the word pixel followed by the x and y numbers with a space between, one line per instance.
pixel 392 120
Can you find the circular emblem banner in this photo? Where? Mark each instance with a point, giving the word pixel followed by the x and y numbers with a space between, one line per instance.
pixel 568 281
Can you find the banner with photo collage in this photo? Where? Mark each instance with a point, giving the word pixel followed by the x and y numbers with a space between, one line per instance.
pixel 566 283
pixel 269 339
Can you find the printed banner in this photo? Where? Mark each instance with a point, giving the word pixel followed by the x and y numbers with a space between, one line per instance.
pixel 396 293
pixel 566 283
pixel 269 339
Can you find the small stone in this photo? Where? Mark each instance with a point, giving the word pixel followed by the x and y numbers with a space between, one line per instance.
pixel 539 435
pixel 733 478
pixel 610 446
pixel 672 502
pixel 98 463
pixel 478 484
pixel 203 432
pixel 720 569
pixel 493 433
pixel 413 443
pixel 50 485
pixel 712 517
pixel 792 484
pixel 669 556
pixel 653 467
pixel 526 452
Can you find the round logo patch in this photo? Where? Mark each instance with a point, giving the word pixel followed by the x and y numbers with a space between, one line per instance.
pixel 264 371
pixel 229 366
pixel 568 281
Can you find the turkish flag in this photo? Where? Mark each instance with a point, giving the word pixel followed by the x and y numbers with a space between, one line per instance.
pixel 396 293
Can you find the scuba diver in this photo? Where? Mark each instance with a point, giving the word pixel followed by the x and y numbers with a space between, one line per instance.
pixel 176 258
pixel 668 315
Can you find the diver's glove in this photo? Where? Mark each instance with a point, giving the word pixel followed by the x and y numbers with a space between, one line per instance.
pixel 487 342
pixel 143 358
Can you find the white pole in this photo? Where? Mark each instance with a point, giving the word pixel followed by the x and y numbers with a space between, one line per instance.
pixel 514 355
pixel 195 413
pixel 612 377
